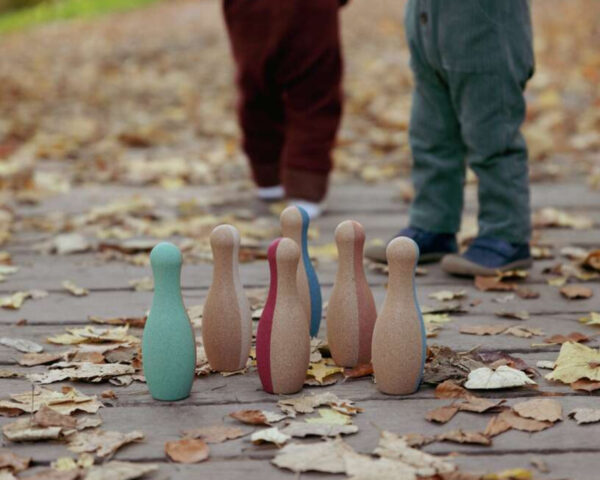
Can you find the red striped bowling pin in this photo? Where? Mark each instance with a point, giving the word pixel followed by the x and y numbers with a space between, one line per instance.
pixel 283 338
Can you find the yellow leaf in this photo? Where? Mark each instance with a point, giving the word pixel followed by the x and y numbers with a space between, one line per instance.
pixel 512 474
pixel 330 416
pixel 592 319
pixel 321 370
pixel 576 361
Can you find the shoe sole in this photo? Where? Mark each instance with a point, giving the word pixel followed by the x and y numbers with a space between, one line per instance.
pixel 457 265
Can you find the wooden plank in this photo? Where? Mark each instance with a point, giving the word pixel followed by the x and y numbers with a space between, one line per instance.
pixel 89 269
pixel 164 422
pixel 63 308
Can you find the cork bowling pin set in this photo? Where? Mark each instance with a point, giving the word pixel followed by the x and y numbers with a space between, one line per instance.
pixel 394 341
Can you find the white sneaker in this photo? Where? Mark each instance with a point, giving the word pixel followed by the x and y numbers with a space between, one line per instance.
pixel 270 194
pixel 314 210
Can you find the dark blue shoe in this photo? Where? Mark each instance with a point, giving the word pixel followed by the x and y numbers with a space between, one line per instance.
pixel 488 256
pixel 432 246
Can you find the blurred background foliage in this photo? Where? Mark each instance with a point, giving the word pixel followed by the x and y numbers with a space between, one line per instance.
pixel 17 14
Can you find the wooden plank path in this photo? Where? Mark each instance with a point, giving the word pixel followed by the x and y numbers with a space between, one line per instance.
pixel 566 448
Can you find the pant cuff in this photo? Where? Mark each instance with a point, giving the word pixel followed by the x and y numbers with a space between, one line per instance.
pixel 305 185
pixel 266 174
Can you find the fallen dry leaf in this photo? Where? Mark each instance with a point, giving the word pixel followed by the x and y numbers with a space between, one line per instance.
pixel 542 409
pixel 117 470
pixel 524 424
pixel 33 359
pixel 270 435
pixel 303 429
pixel 585 385
pixel 576 292
pixel 257 417
pixel 442 414
pixel 101 442
pixel 521 315
pixel 187 450
pixel 359 371
pixel 443 363
pixel 446 295
pixel 215 433
pixel 308 403
pixel 592 260
pixel 576 361
pixel 523 332
pixel 449 389
pixel 493 284
pixel 460 436
pixel 67 401
pixel 324 373
pixel 585 415
pixel 502 377
pixel 13 461
pixel 73 289
pixel 571 337
pixel 483 329
pixel 479 405
pixel 592 319
pixel 22 345
pixel 91 334
pixel 549 217
pixel 68 243
pixel 83 371
pixel 327 457
pixel 47 417
pixel 496 426
pixel 330 417
pixel 26 430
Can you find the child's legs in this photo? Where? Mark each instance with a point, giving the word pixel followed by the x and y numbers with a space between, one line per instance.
pixel 438 152
pixel 254 30
pixel 487 57
pixel 491 109
pixel 310 77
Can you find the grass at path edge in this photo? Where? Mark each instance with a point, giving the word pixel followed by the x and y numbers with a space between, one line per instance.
pixel 62 10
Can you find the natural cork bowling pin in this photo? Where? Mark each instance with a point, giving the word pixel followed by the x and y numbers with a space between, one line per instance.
pixel 168 343
pixel 351 312
pixel 399 345
pixel 294 225
pixel 282 339
pixel 226 318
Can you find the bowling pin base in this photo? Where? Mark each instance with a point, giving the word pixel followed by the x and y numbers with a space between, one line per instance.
pixel 170 398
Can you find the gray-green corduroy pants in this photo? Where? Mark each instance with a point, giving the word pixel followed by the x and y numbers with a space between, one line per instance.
pixel 471 60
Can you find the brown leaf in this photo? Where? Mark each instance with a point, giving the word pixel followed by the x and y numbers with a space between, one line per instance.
pixel 496 358
pixel 257 417
pixel 215 433
pixel 441 414
pixel 47 417
pixel 449 389
pixel 33 359
pixel 592 261
pixel 496 426
pixel 101 442
pixel 12 461
pixel 51 474
pixel 359 371
pixel 443 363
pixel 479 405
pixel 136 322
pixel 109 394
pixel 585 385
pixel 542 409
pixel 523 332
pixel 571 337
pixel 522 315
pixel 527 293
pixel 460 436
pixel 482 329
pixel 493 284
pixel 525 424
pixel 187 450
pixel 576 292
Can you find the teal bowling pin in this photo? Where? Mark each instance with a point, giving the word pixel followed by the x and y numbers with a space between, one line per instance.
pixel 168 343
pixel 294 225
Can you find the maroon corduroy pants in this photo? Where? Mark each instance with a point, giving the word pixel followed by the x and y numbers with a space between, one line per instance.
pixel 289 68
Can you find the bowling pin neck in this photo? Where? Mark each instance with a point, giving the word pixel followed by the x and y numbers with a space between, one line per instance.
pixel 167 281
pixel 350 241
pixel 294 225
pixel 283 263
pixel 402 255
